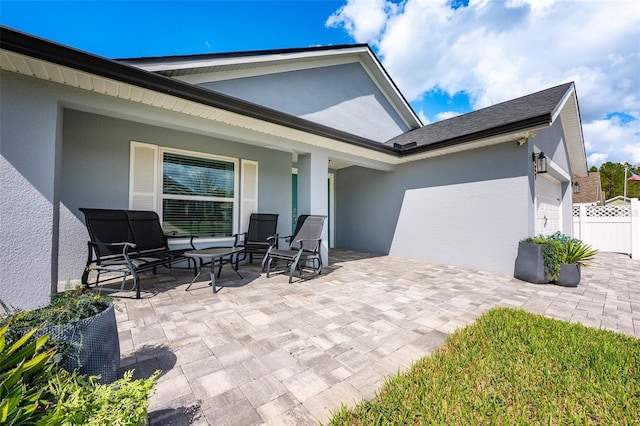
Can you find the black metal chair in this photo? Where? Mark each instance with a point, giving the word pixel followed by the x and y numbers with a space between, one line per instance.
pixel 262 226
pixel 304 250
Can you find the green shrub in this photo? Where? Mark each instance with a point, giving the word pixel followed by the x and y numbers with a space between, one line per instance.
pixel 24 371
pixel 578 253
pixel 86 402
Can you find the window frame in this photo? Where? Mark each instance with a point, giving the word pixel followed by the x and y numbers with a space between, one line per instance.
pixel 200 155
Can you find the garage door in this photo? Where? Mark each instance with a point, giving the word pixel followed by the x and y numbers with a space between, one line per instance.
pixel 548 196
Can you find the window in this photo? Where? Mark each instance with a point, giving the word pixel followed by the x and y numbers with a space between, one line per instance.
pixel 198 195
pixel 194 193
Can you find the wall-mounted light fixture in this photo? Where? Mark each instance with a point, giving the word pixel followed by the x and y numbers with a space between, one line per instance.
pixel 576 188
pixel 539 163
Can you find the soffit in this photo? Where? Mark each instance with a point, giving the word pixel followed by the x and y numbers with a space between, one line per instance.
pixel 279 137
pixel 569 113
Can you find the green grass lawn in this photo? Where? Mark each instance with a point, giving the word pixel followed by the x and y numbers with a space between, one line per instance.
pixel 512 367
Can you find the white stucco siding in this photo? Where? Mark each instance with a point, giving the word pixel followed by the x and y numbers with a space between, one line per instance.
pixel 469 224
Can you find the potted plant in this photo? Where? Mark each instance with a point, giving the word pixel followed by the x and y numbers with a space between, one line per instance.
pixel 538 260
pixel 35 390
pixel 576 254
pixel 83 327
pixel 554 258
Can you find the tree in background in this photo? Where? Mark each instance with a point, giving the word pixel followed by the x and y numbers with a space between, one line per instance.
pixel 612 179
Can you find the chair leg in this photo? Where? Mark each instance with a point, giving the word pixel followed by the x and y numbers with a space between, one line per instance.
pixel 292 269
pixel 268 260
pixel 195 266
pixel 136 282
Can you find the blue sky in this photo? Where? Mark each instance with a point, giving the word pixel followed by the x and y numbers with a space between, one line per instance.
pixel 446 60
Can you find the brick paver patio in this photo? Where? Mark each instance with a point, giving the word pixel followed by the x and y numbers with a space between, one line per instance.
pixel 262 351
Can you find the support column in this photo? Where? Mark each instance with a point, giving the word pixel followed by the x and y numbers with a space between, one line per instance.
pixel 313 192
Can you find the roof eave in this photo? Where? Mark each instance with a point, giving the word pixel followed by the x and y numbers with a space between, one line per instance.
pixel 533 122
pixel 46 50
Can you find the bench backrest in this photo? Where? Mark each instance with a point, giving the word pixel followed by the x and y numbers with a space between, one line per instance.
pixel 141 228
pixel 107 226
pixel 147 231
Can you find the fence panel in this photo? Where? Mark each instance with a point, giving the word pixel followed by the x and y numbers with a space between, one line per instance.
pixel 606 228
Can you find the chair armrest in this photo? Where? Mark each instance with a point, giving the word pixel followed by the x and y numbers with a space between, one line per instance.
pixel 302 240
pixel 275 236
pixel 236 238
pixel 125 246
pixel 174 234
pixel 273 240
pixel 124 243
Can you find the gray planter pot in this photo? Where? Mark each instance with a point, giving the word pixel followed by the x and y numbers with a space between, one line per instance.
pixel 530 264
pixel 569 276
pixel 91 345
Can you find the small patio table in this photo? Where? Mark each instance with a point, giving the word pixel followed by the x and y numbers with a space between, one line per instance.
pixel 219 256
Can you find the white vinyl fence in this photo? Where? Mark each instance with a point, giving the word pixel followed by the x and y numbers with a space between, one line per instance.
pixel 609 228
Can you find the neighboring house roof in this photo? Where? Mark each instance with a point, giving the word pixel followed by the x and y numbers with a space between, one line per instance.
pixel 618 200
pixel 37 57
pixel 590 190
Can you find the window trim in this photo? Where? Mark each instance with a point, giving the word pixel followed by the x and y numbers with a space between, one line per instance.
pixel 195 154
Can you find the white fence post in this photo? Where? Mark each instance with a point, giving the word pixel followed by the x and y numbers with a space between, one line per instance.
pixel 635 228
pixel 583 220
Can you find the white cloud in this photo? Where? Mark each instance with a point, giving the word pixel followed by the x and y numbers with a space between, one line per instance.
pixel 363 19
pixel 495 51
pixel 612 140
pixel 425 120
pixel 446 114
pixel 596 159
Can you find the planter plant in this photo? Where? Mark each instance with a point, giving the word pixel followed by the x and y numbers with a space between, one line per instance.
pixel 36 390
pixel 83 327
pixel 553 258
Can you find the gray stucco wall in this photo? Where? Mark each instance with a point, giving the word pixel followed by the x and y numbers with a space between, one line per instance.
pixel 468 209
pixel 28 214
pixel 340 96
pixel 95 173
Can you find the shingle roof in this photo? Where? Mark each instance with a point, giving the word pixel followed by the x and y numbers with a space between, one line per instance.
pixel 590 189
pixel 517 114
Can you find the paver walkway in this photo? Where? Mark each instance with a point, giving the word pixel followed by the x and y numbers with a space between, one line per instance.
pixel 262 351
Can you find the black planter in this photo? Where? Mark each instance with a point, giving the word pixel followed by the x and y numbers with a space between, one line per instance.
pixel 90 346
pixel 569 276
pixel 530 264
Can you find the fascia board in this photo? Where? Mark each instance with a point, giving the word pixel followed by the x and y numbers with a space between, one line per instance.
pixel 199 78
pixel 239 59
pixel 569 112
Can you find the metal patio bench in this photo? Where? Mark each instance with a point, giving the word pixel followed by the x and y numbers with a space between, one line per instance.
pixel 126 242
